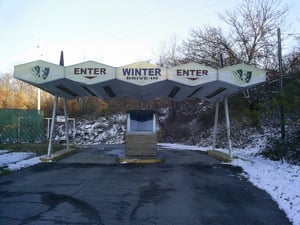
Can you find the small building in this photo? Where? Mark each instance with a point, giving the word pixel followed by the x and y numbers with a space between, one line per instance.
pixel 141 138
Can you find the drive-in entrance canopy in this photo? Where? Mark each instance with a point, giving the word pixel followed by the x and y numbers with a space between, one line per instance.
pixel 140 80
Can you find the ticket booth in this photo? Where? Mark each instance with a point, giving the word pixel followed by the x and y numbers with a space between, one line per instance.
pixel 141 138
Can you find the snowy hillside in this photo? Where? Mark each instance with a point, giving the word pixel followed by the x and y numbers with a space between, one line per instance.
pixel 111 129
pixel 107 130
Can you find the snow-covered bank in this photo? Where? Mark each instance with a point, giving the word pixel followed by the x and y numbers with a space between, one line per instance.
pixel 183 147
pixel 280 180
pixel 105 130
pixel 17 160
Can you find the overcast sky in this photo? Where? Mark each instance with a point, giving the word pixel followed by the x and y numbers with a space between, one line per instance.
pixel 111 32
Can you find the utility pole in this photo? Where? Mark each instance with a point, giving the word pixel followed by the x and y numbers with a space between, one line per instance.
pixel 39 90
pixel 282 119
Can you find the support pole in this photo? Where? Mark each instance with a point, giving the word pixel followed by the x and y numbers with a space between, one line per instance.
pixel 48 128
pixel 66 123
pixel 52 125
pixel 228 125
pixel 217 110
pixel 216 126
pixel 39 100
pixel 128 123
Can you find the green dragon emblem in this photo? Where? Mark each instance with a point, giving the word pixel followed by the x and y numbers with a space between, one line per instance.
pixel 40 72
pixel 244 76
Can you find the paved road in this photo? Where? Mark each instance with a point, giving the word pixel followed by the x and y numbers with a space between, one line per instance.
pixel 188 189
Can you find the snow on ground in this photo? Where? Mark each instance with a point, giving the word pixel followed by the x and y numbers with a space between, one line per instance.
pixel 182 147
pixel 17 160
pixel 280 180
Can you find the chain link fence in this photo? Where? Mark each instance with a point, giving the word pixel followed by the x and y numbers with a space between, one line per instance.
pixel 21 126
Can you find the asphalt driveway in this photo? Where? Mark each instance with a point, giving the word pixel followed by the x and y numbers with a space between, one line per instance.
pixel 89 187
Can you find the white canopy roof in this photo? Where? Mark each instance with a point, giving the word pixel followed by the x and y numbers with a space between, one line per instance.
pixel 140 80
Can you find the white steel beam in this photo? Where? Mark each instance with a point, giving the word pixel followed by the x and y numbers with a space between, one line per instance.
pixel 216 125
pixel 228 126
pixel 66 123
pixel 52 125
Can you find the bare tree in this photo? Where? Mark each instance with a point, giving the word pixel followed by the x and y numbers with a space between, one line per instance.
pixel 251 37
pixel 168 55
pixel 292 62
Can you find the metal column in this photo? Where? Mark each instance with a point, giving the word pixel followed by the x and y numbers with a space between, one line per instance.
pixel 52 125
pixel 66 123
pixel 216 126
pixel 228 125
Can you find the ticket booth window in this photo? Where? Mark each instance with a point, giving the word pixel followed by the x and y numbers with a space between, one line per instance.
pixel 141 121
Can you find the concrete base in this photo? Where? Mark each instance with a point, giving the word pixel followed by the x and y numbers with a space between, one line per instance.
pixel 58 155
pixel 219 155
pixel 140 144
pixel 144 160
